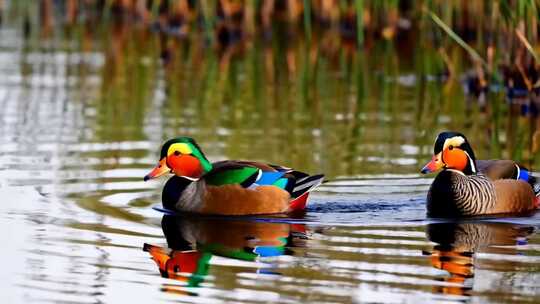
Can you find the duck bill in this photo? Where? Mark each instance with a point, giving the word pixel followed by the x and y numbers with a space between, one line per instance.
pixel 434 165
pixel 159 170
pixel 160 255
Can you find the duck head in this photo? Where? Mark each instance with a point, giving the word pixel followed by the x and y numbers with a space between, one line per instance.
pixel 452 151
pixel 182 157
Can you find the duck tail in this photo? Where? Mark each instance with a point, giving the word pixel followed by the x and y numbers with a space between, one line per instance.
pixel 299 203
pixel 301 190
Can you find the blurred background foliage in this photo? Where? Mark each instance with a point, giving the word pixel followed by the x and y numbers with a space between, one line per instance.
pixel 346 87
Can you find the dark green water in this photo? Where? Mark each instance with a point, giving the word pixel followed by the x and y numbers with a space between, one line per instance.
pixel 84 110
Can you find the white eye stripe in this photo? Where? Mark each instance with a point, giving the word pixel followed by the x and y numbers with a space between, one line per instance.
pixel 455 141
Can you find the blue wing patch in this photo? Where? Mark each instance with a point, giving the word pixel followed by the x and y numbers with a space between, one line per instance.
pixel 523 175
pixel 269 178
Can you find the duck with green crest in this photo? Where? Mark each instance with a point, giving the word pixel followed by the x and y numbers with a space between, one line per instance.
pixel 229 187
pixel 470 187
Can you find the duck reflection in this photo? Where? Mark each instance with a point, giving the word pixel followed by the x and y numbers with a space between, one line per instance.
pixel 194 241
pixel 458 242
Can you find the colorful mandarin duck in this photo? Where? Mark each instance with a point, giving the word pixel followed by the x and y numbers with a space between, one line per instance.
pixel 228 187
pixel 467 187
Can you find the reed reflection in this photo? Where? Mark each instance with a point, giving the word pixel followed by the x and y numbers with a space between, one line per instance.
pixel 457 244
pixel 193 242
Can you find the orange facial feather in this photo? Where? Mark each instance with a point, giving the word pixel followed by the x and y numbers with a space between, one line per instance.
pixel 185 165
pixel 455 159
pixel 183 261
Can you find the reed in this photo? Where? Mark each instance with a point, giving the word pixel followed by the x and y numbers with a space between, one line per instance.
pixel 371 17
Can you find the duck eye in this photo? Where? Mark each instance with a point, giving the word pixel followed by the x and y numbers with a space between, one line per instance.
pixel 450 147
pixel 176 153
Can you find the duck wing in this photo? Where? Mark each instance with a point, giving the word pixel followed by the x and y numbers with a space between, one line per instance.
pixel 497 169
pixel 251 174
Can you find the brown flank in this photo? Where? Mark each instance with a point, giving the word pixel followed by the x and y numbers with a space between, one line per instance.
pixel 513 196
pixel 236 200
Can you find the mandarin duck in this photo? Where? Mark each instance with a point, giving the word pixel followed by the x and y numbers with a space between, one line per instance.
pixel 228 187
pixel 470 187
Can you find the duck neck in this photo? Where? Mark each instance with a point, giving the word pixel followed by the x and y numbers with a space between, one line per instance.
pixel 192 197
pixel 470 169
